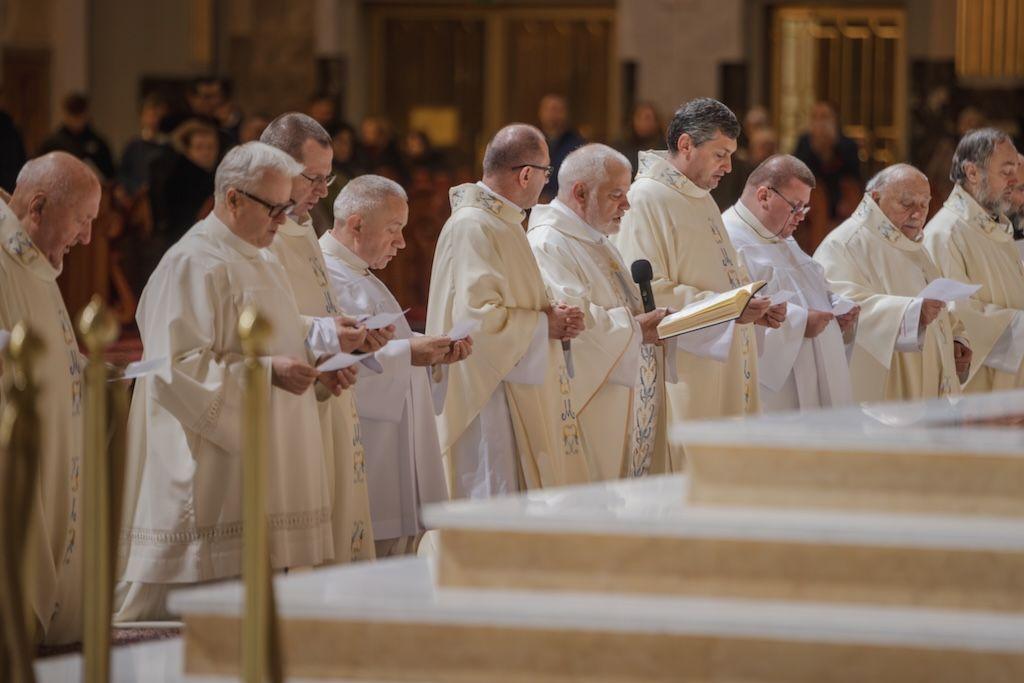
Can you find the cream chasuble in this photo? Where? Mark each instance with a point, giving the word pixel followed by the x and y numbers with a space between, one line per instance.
pixel 396 408
pixel 869 261
pixel 969 245
pixel 296 248
pixel 795 373
pixel 29 292
pixel 184 481
pixel 485 270
pixel 619 383
pixel 678 228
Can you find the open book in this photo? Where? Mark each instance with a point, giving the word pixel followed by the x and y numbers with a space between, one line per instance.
pixel 720 308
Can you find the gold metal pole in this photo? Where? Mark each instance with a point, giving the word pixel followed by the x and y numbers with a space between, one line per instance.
pixel 19 457
pixel 260 649
pixel 99 329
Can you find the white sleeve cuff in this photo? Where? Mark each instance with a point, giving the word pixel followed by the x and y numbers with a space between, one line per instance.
pixel 911 336
pixel 1008 352
pixel 532 368
pixel 322 339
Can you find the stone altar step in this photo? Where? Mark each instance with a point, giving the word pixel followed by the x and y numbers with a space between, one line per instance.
pixel 642 536
pixel 386 621
pixel 948 456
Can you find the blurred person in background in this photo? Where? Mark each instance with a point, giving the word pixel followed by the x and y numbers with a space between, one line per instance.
pixel 645 132
pixel 833 158
pixel 562 138
pixel 145 148
pixel 77 137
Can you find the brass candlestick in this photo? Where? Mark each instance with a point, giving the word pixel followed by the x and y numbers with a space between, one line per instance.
pixel 260 647
pixel 98 329
pixel 19 458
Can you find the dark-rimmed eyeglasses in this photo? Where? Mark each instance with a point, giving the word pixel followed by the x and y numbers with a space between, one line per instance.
pixel 326 180
pixel 794 208
pixel 273 210
pixel 548 170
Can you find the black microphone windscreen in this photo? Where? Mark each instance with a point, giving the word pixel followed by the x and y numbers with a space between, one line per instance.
pixel 641 270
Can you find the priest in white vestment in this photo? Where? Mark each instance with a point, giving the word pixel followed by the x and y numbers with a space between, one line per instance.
pixel 618 387
pixel 397 409
pixel 184 480
pixel 296 247
pixel 971 240
pixel 675 224
pixel 508 421
pixel 803 363
pixel 54 204
pixel 907 347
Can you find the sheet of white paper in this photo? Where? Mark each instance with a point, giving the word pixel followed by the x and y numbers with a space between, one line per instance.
pixel 375 322
pixel 143 367
pixel 782 296
pixel 842 307
pixel 947 290
pixel 463 328
pixel 340 361
pixel 5 339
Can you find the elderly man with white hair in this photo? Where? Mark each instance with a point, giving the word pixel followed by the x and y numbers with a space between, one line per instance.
pixel 907 347
pixel 54 204
pixel 183 500
pixel 296 247
pixel 618 386
pixel 396 408
pixel 803 363
pixel 971 240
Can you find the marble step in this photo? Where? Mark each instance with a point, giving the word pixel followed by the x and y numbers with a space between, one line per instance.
pixel 386 621
pixel 963 456
pixel 643 536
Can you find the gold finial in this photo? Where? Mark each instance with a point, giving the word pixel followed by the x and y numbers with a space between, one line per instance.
pixel 24 347
pixel 98 326
pixel 255 331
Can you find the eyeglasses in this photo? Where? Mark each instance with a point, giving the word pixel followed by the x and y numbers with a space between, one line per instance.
pixel 326 180
pixel 794 208
pixel 273 210
pixel 548 170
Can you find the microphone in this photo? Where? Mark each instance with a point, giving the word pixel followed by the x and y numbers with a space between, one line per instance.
pixel 642 276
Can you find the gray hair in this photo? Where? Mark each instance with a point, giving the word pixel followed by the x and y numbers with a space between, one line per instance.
pixel 588 165
pixel 289 132
pixel 777 170
pixel 363 194
pixel 511 146
pixel 245 165
pixel 975 147
pixel 892 174
pixel 701 119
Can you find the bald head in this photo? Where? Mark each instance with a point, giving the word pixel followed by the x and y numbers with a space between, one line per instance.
pixel 903 194
pixel 58 174
pixel 56 199
pixel 511 161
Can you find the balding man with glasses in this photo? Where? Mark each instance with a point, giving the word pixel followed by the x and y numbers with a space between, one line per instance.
pixel 803 363
pixel 183 486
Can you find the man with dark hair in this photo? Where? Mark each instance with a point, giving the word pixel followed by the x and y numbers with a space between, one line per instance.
pixel 802 363
pixel 675 224
pixel 77 137
pixel 508 421
pixel 831 156
pixel 971 240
